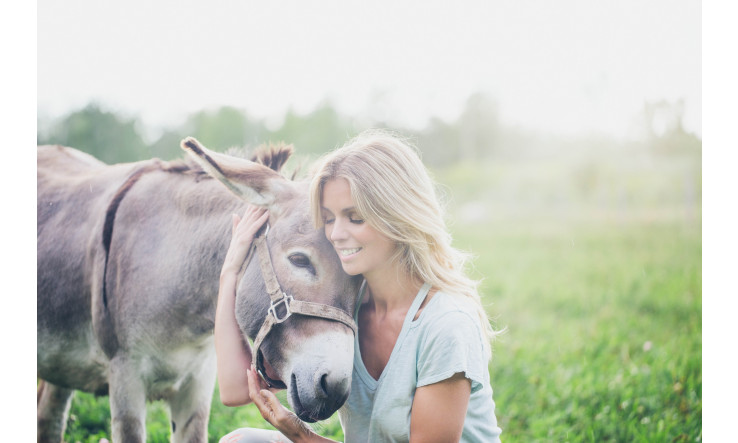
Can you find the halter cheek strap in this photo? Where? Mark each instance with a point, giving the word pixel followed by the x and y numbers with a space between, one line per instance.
pixel 282 306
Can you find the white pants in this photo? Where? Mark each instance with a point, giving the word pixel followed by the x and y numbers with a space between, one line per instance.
pixel 253 435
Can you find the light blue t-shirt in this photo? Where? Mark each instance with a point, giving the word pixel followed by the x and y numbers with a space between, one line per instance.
pixel 446 339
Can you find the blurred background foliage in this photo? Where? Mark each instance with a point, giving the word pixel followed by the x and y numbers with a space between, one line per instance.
pixel 656 169
pixel 476 134
pixel 495 170
pixel 588 247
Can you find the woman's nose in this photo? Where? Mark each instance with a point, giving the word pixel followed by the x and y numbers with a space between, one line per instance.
pixel 338 230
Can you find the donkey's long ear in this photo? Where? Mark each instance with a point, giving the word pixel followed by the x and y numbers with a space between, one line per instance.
pixel 251 181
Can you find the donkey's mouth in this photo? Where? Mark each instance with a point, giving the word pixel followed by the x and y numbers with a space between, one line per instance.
pixel 270 372
pixel 302 413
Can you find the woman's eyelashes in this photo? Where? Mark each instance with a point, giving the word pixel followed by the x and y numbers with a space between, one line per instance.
pixel 353 218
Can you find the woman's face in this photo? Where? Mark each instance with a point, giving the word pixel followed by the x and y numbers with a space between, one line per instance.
pixel 361 248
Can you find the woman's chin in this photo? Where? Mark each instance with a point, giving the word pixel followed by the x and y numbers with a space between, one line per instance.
pixel 350 270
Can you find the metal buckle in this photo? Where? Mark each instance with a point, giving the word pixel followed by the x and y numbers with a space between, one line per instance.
pixel 264 377
pixel 286 299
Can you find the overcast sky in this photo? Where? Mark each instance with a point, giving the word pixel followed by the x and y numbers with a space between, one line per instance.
pixel 563 66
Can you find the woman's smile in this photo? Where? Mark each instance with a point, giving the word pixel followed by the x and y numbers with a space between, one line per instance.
pixel 347 253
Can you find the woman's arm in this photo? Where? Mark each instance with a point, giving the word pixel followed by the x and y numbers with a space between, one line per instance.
pixel 439 409
pixel 232 352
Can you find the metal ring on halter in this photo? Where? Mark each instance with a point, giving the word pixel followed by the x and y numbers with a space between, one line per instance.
pixel 265 378
pixel 286 299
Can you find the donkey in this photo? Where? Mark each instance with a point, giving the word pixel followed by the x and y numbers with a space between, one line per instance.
pixel 128 264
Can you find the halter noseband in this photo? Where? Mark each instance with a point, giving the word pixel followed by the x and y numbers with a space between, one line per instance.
pixel 282 306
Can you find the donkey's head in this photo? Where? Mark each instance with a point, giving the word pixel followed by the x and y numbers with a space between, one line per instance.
pixel 311 356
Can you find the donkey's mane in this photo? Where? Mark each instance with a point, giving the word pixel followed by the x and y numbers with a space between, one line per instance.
pixel 271 155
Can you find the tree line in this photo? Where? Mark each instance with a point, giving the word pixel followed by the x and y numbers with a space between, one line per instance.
pixel 475 135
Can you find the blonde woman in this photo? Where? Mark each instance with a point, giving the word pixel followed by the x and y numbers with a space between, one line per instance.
pixel 420 365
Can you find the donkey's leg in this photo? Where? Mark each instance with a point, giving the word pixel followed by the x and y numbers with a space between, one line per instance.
pixel 190 406
pixel 127 401
pixel 52 407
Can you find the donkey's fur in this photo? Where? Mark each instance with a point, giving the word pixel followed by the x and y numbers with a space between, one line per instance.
pixel 128 259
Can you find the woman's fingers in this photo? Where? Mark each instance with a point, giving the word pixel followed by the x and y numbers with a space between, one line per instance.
pixel 253 390
pixel 272 410
pixel 253 218
pixel 242 234
pixel 268 403
pixel 258 398
pixel 272 402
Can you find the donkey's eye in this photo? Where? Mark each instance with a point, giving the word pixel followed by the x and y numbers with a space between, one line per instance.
pixel 300 260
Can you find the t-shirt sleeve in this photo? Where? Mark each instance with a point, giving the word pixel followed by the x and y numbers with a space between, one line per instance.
pixel 452 344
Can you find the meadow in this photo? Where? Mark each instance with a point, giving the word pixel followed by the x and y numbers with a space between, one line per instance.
pixel 593 273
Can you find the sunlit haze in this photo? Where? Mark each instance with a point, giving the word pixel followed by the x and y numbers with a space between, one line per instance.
pixel 563 67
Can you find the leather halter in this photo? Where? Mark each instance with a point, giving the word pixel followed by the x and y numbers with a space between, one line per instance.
pixel 282 306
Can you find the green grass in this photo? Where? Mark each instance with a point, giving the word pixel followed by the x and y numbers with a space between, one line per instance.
pixel 603 339
pixel 89 420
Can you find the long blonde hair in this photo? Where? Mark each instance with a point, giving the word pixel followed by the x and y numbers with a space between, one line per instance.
pixel 394 193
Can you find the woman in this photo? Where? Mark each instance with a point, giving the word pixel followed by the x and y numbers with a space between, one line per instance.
pixel 420 364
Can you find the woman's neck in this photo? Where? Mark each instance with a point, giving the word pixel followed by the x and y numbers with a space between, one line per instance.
pixel 390 291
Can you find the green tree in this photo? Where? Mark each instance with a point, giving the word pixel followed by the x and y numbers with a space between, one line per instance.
pixel 478 127
pixel 315 133
pixel 664 128
pixel 224 128
pixel 166 147
pixel 107 136
pixel 439 143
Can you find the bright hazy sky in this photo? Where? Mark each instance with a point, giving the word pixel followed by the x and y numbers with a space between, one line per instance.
pixel 563 66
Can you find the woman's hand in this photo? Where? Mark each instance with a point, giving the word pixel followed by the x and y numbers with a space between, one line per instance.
pixel 242 235
pixel 277 415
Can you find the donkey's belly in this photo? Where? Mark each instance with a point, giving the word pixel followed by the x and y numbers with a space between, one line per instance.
pixel 72 360
pixel 168 372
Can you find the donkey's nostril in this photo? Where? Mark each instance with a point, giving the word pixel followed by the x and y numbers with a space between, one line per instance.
pixel 324 384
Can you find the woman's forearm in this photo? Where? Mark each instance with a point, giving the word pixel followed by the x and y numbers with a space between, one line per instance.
pixel 233 354
pixel 232 351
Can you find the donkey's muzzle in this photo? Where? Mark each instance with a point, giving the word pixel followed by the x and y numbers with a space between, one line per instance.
pixel 317 394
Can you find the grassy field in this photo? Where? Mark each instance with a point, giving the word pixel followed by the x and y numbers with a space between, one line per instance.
pixel 603 318
pixel 603 339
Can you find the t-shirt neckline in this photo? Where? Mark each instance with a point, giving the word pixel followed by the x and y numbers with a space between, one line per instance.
pixel 406 325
